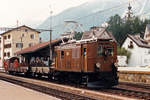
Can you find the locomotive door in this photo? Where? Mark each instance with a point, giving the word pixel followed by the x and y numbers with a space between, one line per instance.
pixel 68 59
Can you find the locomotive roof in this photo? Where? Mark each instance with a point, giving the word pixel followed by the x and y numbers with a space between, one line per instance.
pixel 98 33
pixel 76 44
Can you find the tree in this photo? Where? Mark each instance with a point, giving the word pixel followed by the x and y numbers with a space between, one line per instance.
pixel 120 27
pixel 78 35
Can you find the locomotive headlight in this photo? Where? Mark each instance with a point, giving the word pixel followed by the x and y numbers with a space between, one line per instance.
pixel 98 65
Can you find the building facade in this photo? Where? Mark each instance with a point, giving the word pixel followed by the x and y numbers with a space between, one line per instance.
pixel 17 39
pixel 140 51
pixel 1 52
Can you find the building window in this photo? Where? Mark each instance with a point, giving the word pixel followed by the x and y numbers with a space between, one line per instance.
pixel 9 36
pixel 148 51
pixel 26 30
pixel 5 37
pixel 30 44
pixel 19 45
pixel 32 36
pixel 8 54
pixel 22 35
pixel 5 54
pixel 7 46
pixel 130 45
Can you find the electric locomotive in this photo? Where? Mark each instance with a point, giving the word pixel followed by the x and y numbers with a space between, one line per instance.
pixel 87 61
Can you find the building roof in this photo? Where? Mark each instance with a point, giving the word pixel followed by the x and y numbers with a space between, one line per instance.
pixel 147 32
pixel 139 41
pixel 99 33
pixel 37 47
pixel 18 28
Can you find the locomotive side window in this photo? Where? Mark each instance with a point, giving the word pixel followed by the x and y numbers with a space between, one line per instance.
pixel 62 54
pixel 100 51
pixel 84 51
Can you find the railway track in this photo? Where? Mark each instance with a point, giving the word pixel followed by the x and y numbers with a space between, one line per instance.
pixel 128 89
pixel 135 90
pixel 122 91
pixel 53 92
pixel 128 93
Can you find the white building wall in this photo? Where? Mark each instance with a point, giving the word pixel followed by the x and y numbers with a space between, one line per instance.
pixel 139 56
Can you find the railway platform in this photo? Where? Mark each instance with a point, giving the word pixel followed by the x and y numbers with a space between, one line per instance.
pixel 9 91
pixel 67 91
pixel 134 74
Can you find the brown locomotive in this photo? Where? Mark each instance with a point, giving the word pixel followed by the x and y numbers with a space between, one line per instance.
pixel 90 60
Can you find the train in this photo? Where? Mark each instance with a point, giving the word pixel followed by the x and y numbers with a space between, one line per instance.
pixel 86 61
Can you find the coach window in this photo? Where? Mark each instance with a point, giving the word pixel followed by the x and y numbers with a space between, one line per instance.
pixel 99 50
pixel 62 54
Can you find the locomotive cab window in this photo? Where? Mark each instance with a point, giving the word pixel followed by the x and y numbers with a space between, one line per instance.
pixel 109 51
pixel 99 50
pixel 62 54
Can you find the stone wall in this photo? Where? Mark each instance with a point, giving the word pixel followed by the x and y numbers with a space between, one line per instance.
pixel 134 76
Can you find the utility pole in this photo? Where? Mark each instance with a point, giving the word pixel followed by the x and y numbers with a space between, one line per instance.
pixel 50 44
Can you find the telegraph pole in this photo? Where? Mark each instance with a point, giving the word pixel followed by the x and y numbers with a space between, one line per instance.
pixel 50 44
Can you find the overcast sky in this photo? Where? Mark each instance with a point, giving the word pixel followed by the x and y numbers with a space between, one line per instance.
pixel 31 12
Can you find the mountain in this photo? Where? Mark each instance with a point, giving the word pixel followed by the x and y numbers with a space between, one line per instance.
pixel 90 14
